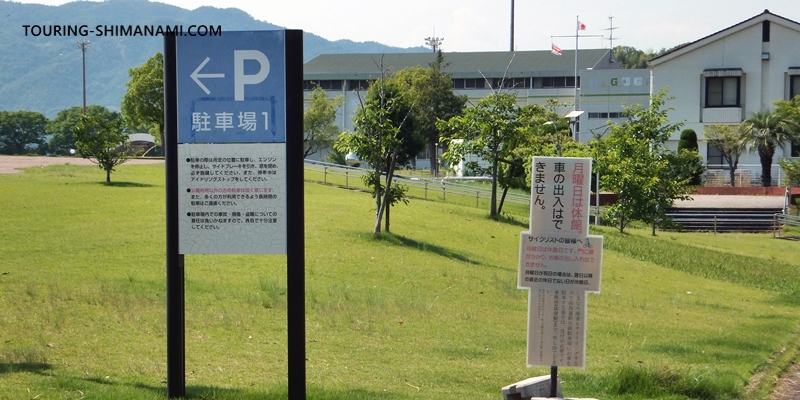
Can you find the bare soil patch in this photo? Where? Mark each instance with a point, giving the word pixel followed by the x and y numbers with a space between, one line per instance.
pixel 788 387
pixel 11 164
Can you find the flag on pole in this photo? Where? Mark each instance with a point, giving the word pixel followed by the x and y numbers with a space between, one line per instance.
pixel 581 26
pixel 555 49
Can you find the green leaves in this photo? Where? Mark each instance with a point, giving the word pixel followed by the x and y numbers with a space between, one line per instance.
pixel 635 164
pixel 143 103
pixel 102 141
pixel 21 132
pixel 318 122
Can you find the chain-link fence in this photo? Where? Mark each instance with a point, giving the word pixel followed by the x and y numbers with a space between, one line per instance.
pixel 745 175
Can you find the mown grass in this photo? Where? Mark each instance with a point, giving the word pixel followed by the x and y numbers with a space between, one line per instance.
pixel 432 311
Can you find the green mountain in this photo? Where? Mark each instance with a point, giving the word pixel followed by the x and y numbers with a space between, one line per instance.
pixel 44 73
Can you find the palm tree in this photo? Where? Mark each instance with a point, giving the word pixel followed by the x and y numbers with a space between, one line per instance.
pixel 765 130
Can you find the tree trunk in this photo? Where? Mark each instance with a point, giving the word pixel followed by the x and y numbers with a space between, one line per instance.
pixel 386 225
pixel 108 176
pixel 765 155
pixel 382 204
pixel 733 175
pixel 493 206
pixel 502 200
pixel 653 232
pixel 377 183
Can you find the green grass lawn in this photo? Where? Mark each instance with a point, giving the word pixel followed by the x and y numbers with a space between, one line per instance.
pixel 432 311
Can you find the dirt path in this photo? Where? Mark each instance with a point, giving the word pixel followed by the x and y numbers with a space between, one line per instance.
pixel 788 387
pixel 9 164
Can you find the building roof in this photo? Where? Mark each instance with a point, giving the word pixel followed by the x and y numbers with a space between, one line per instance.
pixel 764 16
pixel 461 65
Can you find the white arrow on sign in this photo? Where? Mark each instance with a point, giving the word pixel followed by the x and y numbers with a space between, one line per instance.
pixel 196 76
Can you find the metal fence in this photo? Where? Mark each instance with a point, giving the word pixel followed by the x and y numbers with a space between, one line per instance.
pixel 784 220
pixel 746 175
pixel 445 189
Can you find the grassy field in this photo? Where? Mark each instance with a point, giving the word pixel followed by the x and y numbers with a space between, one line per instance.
pixel 432 311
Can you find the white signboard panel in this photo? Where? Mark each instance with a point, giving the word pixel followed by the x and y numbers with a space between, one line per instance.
pixel 560 191
pixel 232 198
pixel 559 262
pixel 557 328
pixel 569 263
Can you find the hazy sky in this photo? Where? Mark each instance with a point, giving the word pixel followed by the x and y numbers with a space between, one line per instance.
pixel 471 25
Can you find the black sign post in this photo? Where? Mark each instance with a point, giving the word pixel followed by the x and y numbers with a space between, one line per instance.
pixel 176 331
pixel 294 199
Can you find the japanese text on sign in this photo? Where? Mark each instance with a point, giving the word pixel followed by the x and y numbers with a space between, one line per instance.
pixel 560 195
pixel 232 198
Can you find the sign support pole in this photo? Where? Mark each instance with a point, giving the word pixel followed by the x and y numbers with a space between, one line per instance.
pixel 554 381
pixel 295 231
pixel 176 348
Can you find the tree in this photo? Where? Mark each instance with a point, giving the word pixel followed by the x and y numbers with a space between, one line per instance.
pixel 729 141
pixel 22 132
pixel 318 126
pixel 767 129
pixel 791 169
pixel 488 130
pixel 143 103
pixel 102 141
pixel 635 164
pixel 384 137
pixel 431 91
pixel 543 132
pixel 688 142
pixel 62 139
pixel 631 57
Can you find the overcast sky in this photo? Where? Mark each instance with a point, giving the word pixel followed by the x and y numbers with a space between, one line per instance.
pixel 471 25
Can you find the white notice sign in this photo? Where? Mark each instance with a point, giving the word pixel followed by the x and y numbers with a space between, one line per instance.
pixel 560 191
pixel 569 263
pixel 557 328
pixel 232 198
pixel 559 262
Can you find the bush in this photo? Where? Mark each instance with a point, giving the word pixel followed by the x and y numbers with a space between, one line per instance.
pixel 688 140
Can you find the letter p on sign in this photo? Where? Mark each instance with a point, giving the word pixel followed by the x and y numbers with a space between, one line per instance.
pixel 240 79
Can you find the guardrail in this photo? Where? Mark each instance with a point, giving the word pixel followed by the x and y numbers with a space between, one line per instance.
pixel 426 188
pixel 783 220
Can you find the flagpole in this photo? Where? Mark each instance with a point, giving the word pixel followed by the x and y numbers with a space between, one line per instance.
pixel 577 27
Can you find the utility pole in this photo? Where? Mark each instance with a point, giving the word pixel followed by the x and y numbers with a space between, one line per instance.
pixel 512 26
pixel 83 45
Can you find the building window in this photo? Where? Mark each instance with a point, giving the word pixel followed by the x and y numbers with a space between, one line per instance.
pixel 558 82
pixel 605 115
pixel 357 84
pixel 714 157
pixel 722 91
pixel 795 149
pixel 469 83
pixel 794 86
pixel 512 83
pixel 765 31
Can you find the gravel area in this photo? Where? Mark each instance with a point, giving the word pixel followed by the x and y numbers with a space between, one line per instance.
pixel 10 164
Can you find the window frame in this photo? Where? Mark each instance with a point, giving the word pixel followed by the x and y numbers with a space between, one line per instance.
pixel 722 93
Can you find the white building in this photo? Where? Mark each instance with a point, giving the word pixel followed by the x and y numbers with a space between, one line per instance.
pixel 535 76
pixel 724 77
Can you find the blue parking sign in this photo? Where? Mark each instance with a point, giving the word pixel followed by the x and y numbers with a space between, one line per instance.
pixel 232 88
